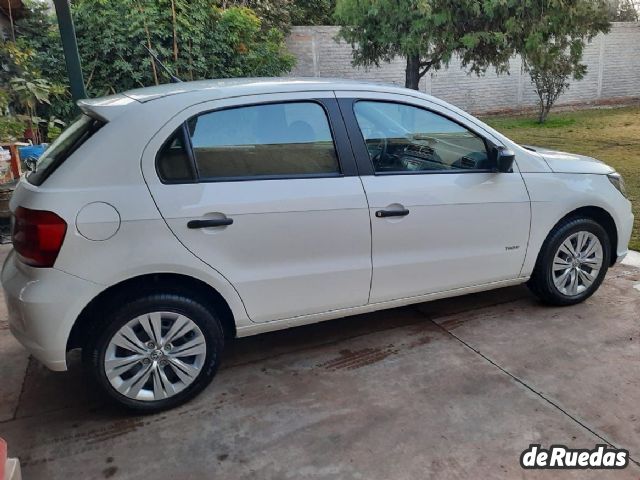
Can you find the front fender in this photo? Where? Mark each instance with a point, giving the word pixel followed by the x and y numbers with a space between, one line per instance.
pixel 556 195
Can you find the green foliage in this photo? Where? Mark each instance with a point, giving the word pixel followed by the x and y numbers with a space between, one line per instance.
pixel 550 73
pixel 196 39
pixel 54 128
pixel 4 101
pixel 313 12
pixel 24 93
pixel 281 14
pixel 427 32
pixel 624 10
pixel 11 129
pixel 481 33
pixel 29 93
pixel 272 13
pixel 552 53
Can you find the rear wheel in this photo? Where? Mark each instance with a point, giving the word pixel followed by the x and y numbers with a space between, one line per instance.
pixel 572 263
pixel 156 351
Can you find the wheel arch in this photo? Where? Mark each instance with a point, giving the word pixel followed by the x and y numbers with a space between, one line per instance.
pixel 145 283
pixel 599 215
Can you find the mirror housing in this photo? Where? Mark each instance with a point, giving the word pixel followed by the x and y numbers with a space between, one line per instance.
pixel 504 160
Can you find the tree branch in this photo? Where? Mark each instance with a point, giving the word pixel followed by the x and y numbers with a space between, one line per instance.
pixel 426 66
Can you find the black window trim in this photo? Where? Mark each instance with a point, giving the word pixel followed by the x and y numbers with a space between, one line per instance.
pixel 347 107
pixel 186 142
pixel 341 145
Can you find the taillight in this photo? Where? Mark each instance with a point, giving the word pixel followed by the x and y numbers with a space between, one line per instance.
pixel 37 236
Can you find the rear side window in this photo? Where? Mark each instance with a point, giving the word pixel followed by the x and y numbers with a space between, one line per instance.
pixel 271 140
pixel 173 161
pixel 67 143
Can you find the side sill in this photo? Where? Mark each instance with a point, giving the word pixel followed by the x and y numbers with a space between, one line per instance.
pixel 249 330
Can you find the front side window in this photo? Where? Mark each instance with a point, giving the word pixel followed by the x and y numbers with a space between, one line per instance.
pixel 286 139
pixel 403 138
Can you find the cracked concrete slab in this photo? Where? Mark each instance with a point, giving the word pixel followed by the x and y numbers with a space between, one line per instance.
pixel 585 358
pixel 408 402
pixel 393 394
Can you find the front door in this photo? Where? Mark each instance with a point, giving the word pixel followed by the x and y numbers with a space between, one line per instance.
pixel 441 217
pixel 267 194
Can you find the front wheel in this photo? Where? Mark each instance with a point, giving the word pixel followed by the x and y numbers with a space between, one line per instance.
pixel 572 263
pixel 155 352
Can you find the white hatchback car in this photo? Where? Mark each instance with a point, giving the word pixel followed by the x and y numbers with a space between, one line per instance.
pixel 170 219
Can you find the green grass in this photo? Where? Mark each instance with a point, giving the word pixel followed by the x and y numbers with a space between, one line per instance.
pixel 610 135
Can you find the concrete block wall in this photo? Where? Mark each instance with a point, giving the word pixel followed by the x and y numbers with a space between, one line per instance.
pixel 613 62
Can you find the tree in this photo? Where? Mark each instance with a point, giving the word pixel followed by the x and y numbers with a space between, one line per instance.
pixel 272 13
pixel 482 33
pixel 196 38
pixel 427 33
pixel 313 12
pixel 624 10
pixel 550 74
pixel 25 94
pixel 552 51
pixel 29 93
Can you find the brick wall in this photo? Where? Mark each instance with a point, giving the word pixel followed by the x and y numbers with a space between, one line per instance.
pixel 613 62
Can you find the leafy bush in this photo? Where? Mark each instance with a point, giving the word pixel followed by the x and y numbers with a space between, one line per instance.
pixel 313 12
pixel 195 38
pixel 11 129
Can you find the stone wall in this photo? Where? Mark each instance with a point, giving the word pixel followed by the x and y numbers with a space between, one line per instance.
pixel 613 75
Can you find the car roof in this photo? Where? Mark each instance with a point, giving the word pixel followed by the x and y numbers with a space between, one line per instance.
pixel 108 107
pixel 229 87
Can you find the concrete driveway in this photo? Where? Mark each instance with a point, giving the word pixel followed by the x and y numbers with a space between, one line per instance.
pixel 450 389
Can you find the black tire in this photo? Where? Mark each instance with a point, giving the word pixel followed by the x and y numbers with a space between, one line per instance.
pixel 541 282
pixel 199 311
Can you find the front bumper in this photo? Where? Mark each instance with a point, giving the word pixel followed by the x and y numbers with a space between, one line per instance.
pixel 43 305
pixel 625 228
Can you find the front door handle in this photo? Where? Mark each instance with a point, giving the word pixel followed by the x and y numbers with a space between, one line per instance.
pixel 392 213
pixel 212 222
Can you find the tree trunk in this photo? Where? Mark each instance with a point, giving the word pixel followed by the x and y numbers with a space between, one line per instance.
pixel 541 115
pixel 13 29
pixel 545 108
pixel 412 72
pixel 146 30
pixel 175 35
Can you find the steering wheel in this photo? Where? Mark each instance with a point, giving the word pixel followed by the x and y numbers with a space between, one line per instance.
pixel 381 146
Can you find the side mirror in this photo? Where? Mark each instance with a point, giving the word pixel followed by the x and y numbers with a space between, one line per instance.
pixel 504 160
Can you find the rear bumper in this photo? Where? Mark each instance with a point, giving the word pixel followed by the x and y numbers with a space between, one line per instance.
pixel 43 305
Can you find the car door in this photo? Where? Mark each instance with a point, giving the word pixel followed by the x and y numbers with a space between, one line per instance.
pixel 264 189
pixel 442 218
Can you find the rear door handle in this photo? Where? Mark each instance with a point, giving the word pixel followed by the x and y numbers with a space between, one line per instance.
pixel 392 213
pixel 213 222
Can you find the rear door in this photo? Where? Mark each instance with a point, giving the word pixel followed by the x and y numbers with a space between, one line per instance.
pixel 441 217
pixel 266 192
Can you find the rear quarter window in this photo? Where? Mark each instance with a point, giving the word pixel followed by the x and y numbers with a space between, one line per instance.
pixel 62 148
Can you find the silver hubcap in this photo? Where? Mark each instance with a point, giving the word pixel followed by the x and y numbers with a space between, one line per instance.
pixel 577 263
pixel 155 356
